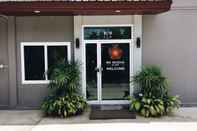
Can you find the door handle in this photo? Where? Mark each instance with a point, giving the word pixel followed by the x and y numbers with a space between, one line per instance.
pixel 2 66
pixel 98 69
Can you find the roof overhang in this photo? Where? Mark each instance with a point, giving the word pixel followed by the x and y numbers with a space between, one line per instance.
pixel 130 7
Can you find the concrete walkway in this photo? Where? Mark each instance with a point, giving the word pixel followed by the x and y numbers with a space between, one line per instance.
pixel 31 120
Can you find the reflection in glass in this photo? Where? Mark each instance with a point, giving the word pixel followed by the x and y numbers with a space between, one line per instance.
pixel 56 54
pixel 93 33
pixel 115 74
pixel 34 62
pixel 91 74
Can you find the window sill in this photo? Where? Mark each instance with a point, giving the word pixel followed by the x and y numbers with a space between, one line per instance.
pixel 36 82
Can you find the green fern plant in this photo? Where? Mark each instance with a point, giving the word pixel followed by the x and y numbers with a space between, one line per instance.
pixel 64 99
pixel 151 82
pixel 151 98
pixel 65 78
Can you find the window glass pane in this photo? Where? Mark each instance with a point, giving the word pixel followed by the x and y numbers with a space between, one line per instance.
pixel 34 63
pixel 115 74
pixel 92 33
pixel 91 73
pixel 56 54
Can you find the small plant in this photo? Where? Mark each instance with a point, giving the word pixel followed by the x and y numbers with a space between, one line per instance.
pixel 171 103
pixel 151 97
pixel 64 99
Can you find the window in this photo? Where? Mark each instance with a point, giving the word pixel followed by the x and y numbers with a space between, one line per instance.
pixel 34 62
pixel 37 58
pixel 107 33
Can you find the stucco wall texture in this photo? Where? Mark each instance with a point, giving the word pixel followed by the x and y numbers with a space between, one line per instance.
pixel 169 40
pixel 39 29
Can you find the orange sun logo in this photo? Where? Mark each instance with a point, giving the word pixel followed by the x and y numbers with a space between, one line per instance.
pixel 115 52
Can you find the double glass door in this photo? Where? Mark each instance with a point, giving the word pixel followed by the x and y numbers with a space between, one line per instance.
pixel 108 69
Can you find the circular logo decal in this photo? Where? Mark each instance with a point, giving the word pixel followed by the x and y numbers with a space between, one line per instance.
pixel 115 52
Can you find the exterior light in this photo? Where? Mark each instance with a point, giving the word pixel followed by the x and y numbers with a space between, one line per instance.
pixel 77 42
pixel 117 11
pixel 138 42
pixel 36 11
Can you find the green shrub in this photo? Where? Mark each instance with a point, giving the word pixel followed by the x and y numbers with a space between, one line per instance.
pixel 171 103
pixel 150 82
pixel 63 106
pixel 151 98
pixel 64 99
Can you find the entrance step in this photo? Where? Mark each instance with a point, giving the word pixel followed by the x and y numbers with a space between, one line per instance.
pixel 111 112
pixel 111 107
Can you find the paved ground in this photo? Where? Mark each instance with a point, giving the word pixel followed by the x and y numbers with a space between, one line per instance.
pixel 32 120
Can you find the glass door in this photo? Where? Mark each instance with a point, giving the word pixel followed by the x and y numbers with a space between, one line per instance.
pixel 91 72
pixel 107 71
pixel 115 64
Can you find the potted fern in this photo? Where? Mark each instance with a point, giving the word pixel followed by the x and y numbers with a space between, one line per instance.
pixel 64 99
pixel 151 97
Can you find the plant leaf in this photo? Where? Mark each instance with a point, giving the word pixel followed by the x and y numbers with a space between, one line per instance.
pixel 137 105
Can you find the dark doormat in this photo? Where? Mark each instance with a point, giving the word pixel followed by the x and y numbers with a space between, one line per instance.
pixel 111 112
